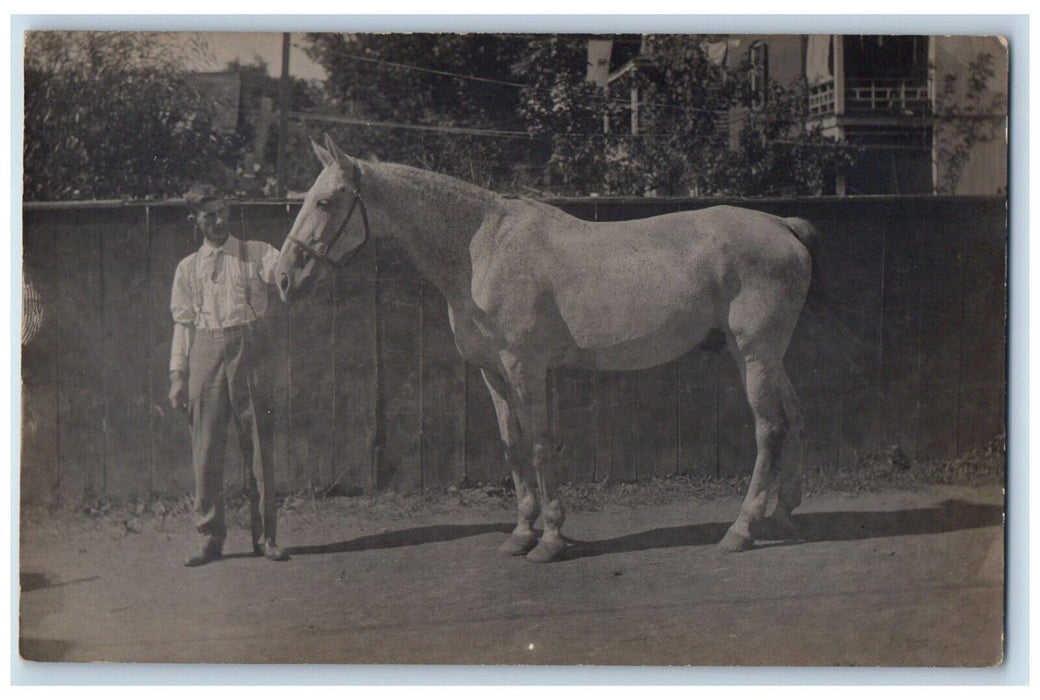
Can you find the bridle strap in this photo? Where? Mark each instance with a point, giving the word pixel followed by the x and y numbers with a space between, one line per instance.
pixel 320 249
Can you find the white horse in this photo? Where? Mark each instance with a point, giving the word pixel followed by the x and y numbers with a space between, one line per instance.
pixel 530 288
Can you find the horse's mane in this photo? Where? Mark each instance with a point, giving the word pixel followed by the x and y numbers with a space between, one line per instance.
pixel 447 191
pixel 439 184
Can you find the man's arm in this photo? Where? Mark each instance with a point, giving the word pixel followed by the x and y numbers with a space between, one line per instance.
pixel 183 334
pixel 268 256
pixel 183 309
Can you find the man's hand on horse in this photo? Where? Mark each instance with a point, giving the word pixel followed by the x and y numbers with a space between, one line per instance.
pixel 178 391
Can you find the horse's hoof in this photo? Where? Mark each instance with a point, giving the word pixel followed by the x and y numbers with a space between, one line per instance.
pixel 785 524
pixel 547 551
pixel 517 545
pixel 735 542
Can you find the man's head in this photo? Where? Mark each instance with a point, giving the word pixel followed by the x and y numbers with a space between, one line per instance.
pixel 209 211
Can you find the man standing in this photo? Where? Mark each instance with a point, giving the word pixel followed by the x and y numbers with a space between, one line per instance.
pixel 218 302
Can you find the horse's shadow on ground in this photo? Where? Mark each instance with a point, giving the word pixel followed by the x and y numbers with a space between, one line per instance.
pixel 948 516
pixel 427 534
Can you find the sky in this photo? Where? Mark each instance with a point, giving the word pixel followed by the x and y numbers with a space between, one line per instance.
pixel 246 47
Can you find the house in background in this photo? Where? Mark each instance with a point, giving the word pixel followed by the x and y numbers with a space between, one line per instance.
pixel 883 93
pixel 878 92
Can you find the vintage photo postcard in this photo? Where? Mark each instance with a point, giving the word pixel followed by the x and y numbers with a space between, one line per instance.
pixel 520 348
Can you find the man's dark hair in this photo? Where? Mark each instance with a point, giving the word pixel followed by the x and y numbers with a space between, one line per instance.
pixel 199 195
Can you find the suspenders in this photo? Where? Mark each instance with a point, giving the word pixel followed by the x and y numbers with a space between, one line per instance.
pixel 243 266
pixel 196 288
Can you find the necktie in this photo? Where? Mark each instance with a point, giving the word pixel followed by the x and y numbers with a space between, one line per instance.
pixel 218 261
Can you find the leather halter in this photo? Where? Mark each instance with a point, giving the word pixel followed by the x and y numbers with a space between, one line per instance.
pixel 319 247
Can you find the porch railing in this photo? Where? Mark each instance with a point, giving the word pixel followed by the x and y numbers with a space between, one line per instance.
pixel 865 96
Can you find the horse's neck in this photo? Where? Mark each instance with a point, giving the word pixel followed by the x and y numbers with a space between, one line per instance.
pixel 429 220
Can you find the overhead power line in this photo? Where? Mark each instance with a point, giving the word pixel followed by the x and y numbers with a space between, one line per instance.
pixel 338 119
pixel 502 133
pixel 548 90
pixel 434 71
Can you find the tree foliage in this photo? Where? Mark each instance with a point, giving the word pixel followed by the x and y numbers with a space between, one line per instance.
pixel 776 153
pixel 110 114
pixel 114 114
pixel 967 113
pixel 564 115
pixel 426 96
pixel 682 142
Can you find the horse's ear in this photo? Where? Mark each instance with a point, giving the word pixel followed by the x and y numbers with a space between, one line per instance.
pixel 344 160
pixel 324 156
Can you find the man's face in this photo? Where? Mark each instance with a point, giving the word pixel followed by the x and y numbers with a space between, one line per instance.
pixel 211 217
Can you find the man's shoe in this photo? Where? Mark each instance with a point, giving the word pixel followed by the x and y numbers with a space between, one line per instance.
pixel 270 551
pixel 205 556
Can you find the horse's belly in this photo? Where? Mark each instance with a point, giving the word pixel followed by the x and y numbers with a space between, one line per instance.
pixel 649 351
pixel 638 325
pixel 641 340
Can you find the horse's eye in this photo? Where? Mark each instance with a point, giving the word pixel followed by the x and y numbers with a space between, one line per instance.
pixel 324 202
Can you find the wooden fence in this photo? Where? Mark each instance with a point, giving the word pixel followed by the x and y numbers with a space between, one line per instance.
pixel 906 347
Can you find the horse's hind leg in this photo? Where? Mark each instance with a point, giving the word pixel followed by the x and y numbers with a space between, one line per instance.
pixel 523 538
pixel 763 381
pixel 789 494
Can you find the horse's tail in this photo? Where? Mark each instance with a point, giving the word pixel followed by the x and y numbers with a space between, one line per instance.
pixel 805 232
pixel 824 323
pixel 809 237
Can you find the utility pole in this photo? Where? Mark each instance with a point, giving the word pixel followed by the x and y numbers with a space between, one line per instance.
pixel 283 117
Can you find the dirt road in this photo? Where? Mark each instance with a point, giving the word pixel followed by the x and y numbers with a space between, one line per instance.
pixel 892 579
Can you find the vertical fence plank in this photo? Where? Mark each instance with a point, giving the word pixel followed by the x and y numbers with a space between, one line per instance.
pixel 81 408
pixel 400 316
pixel 658 412
pixel 311 389
pixel 607 436
pixel 899 376
pixel 860 304
pixel 942 307
pixel 170 239
pixel 485 454
pixel 127 353
pixel 620 429
pixel 698 423
pixel 984 350
pixel 443 395
pixel 813 378
pixel 354 319
pixel 574 430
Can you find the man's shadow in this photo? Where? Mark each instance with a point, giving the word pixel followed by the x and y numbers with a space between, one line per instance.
pixel 948 516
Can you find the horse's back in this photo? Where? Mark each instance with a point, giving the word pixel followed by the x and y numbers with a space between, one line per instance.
pixel 715 242
pixel 633 293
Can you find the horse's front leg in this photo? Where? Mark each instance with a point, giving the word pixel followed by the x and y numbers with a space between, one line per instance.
pixel 528 382
pixel 523 538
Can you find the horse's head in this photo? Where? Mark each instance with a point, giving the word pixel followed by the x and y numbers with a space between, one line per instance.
pixel 330 228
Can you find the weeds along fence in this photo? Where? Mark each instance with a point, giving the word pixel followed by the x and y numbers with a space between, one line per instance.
pixel 906 346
